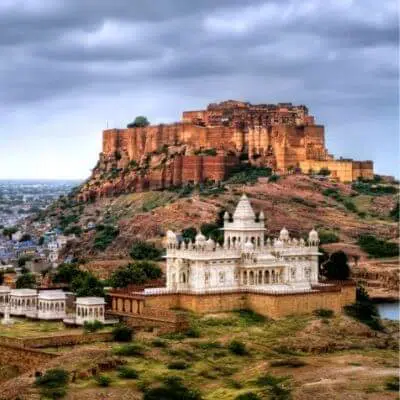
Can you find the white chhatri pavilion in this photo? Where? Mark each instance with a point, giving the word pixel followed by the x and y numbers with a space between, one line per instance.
pixel 23 301
pixel 245 260
pixel 4 298
pixel 89 309
pixel 51 305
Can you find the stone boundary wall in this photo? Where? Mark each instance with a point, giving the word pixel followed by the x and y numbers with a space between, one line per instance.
pixel 56 340
pixel 23 358
pixel 267 304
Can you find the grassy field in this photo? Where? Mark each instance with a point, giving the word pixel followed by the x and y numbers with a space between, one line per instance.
pixel 343 360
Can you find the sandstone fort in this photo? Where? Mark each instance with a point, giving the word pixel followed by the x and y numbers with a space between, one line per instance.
pixel 206 144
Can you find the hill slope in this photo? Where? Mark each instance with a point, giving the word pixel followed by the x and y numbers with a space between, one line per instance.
pixel 297 202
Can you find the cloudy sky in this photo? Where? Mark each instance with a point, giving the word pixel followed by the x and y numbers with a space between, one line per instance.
pixel 70 67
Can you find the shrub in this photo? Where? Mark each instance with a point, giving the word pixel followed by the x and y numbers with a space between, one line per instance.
pixel 193 332
pixel 135 273
pixel 249 317
pixel 333 193
pixel 392 383
pixel 92 326
pixel 159 343
pixel 172 388
pixel 180 365
pixel 324 313
pixel 364 310
pixel 142 250
pixel 129 350
pixel 122 333
pixel 246 173
pixel 238 348
pixel 274 178
pixel 104 236
pixel 324 172
pixel 86 284
pixel 139 122
pixel 53 383
pixel 189 234
pixel 277 387
pixel 53 378
pixel 394 212
pixel 326 237
pixel 377 247
pixel 248 396
pixel 350 206
pixel 289 362
pixel 103 380
pixel 26 280
pixel 127 373
pixel 336 267
pixel 213 231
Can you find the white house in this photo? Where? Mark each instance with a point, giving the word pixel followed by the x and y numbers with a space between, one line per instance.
pixel 246 260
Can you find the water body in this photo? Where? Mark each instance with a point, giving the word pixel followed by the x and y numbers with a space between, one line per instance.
pixel 389 310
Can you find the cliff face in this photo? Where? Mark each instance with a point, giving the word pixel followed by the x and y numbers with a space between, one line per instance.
pixel 207 143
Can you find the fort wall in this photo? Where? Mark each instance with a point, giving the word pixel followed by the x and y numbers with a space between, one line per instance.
pixel 343 170
pixel 269 305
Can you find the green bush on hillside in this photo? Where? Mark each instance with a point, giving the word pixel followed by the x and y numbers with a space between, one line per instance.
pixel 53 383
pixel 127 373
pixel 135 273
pixel 247 173
pixel 122 333
pixel 142 250
pixel 336 268
pixel 377 247
pixel 171 388
pixel 26 280
pixel 326 237
pixel 364 310
pixel 92 326
pixel 104 236
pixel 237 347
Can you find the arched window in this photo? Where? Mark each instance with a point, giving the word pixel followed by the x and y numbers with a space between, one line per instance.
pixel 266 276
pixel 251 278
pixel 260 278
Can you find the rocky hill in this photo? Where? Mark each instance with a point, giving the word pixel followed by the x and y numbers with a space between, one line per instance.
pixel 107 227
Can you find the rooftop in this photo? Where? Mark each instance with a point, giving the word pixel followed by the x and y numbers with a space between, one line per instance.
pixel 90 300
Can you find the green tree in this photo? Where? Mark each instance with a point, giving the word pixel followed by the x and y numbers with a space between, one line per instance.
pixel 189 234
pixel 87 285
pixel 26 280
pixel 135 273
pixel 139 122
pixel 324 172
pixel 23 260
pixel 394 212
pixel 105 234
pixel 8 232
pixel 337 267
pixel 172 388
pixel 213 231
pixel 25 237
pixel 66 273
pixel 145 251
